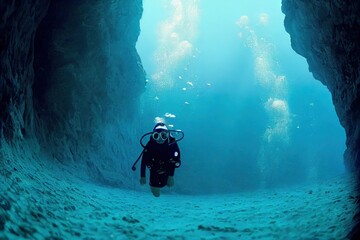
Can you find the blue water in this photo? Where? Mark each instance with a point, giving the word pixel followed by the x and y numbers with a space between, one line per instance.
pixel 253 116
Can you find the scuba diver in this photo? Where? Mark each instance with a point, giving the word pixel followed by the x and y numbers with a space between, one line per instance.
pixel 161 155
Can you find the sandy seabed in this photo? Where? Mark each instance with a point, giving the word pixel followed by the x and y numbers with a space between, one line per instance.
pixel 47 202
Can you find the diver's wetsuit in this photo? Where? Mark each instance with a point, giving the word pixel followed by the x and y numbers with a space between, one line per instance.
pixel 161 160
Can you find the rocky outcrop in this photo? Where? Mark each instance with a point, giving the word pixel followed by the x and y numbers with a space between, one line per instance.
pixel 87 71
pixel 19 21
pixel 69 76
pixel 327 34
pixel 86 63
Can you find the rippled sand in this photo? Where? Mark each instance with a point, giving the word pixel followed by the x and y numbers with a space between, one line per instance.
pixel 43 202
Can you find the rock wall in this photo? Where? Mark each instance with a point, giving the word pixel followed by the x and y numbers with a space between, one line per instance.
pixel 70 80
pixel 86 62
pixel 18 23
pixel 87 71
pixel 327 34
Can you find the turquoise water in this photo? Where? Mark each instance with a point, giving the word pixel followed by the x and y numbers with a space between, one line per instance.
pixel 252 114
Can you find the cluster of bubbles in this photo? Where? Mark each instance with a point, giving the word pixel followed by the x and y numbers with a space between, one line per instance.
pixel 175 36
pixel 276 135
pixel 276 104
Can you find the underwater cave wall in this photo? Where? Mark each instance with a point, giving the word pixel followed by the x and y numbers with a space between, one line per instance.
pixel 327 34
pixel 19 21
pixel 71 78
pixel 88 77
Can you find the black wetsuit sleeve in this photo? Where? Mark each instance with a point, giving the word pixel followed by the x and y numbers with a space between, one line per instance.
pixel 175 157
pixel 145 158
pixel 171 171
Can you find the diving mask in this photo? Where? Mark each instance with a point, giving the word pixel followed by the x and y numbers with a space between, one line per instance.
pixel 160 136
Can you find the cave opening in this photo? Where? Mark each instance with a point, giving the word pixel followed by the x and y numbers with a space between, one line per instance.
pixel 253 115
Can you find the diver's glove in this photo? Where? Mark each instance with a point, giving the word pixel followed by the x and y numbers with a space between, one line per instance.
pixel 142 181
